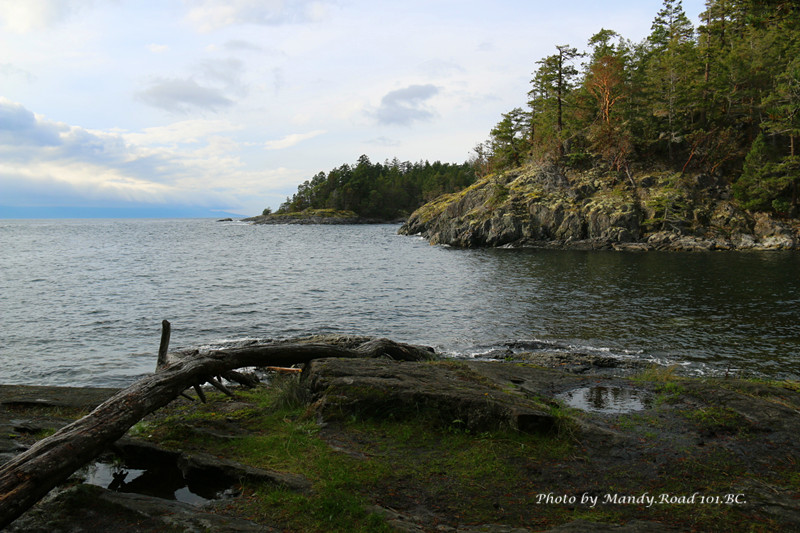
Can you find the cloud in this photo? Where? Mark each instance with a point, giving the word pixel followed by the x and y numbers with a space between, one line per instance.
pixel 184 164
pixel 22 16
pixel 184 132
pixel 440 67
pixel 181 95
pixel 236 45
pixel 209 15
pixel 227 72
pixel 404 106
pixel 291 140
pixel 7 69
pixel 47 161
pixel 157 48
pixel 19 127
pixel 384 141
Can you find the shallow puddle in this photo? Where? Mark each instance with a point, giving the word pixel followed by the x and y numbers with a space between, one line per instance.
pixel 607 399
pixel 161 481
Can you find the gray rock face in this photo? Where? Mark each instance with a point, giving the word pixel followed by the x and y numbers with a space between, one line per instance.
pixel 383 387
pixel 547 208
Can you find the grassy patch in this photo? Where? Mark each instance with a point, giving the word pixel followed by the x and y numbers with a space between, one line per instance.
pixel 718 419
pixel 437 470
pixel 361 461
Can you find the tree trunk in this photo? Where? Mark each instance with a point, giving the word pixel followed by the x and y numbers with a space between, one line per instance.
pixel 31 475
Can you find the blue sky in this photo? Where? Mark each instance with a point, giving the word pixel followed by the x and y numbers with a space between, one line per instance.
pixel 178 107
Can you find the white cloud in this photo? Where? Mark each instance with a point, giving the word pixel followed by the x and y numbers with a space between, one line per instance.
pixel 384 141
pixel 238 45
pixel 291 140
pixel 178 95
pixel 157 48
pixel 7 69
pixel 227 72
pixel 441 67
pixel 22 16
pixel 186 163
pixel 183 132
pixel 209 15
pixel 404 106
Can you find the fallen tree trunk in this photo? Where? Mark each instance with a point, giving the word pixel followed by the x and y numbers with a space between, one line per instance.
pixel 32 474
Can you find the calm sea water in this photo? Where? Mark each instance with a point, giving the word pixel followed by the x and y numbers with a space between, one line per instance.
pixel 82 300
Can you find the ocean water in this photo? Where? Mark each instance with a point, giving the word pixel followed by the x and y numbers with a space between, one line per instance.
pixel 81 301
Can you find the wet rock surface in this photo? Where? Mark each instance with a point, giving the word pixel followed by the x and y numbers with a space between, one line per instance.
pixel 90 508
pixel 454 392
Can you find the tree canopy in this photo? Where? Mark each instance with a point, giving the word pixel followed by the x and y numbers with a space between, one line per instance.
pixel 381 191
pixel 721 98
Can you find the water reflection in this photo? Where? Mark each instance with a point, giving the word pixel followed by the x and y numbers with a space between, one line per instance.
pixel 164 481
pixel 607 399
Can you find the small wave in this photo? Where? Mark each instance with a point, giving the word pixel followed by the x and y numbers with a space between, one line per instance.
pixel 508 349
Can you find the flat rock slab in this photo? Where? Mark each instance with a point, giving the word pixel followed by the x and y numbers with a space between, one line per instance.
pixel 43 396
pixel 453 391
pixel 27 410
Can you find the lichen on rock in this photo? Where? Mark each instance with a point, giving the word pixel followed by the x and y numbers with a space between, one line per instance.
pixel 540 206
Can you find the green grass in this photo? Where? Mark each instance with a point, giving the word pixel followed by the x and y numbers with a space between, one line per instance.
pixel 419 460
pixel 418 457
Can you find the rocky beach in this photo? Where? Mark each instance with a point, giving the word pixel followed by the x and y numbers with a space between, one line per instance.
pixel 518 442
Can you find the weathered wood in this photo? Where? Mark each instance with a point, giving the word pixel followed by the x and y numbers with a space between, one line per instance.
pixel 163 348
pixel 248 380
pixel 220 387
pixel 25 479
pixel 199 390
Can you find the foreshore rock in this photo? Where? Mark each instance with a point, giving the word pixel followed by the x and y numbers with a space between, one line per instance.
pixel 708 435
pixel 550 208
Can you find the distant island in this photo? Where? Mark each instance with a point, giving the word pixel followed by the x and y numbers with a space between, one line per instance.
pixel 315 216
pixel 369 192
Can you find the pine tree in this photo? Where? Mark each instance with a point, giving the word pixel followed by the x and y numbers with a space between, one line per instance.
pixel 606 83
pixel 669 72
pixel 509 140
pixel 552 86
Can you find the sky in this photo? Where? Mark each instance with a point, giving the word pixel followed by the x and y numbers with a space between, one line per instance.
pixel 223 107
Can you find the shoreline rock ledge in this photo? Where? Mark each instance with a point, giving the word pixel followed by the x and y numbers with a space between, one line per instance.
pixel 546 207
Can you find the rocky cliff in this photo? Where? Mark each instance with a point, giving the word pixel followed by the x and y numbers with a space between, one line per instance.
pixel 548 207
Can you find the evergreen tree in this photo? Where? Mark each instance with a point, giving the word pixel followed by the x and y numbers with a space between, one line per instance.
pixel 382 191
pixel 552 85
pixel 606 83
pixel 757 187
pixel 669 66
pixel 509 141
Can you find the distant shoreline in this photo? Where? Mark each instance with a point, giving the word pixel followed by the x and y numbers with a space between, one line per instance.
pixel 318 216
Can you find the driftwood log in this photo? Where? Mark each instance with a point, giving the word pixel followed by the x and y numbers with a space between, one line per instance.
pixel 28 477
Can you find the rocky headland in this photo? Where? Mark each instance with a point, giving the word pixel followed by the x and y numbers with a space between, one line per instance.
pixel 549 207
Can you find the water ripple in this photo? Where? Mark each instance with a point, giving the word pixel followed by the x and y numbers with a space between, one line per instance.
pixel 82 301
